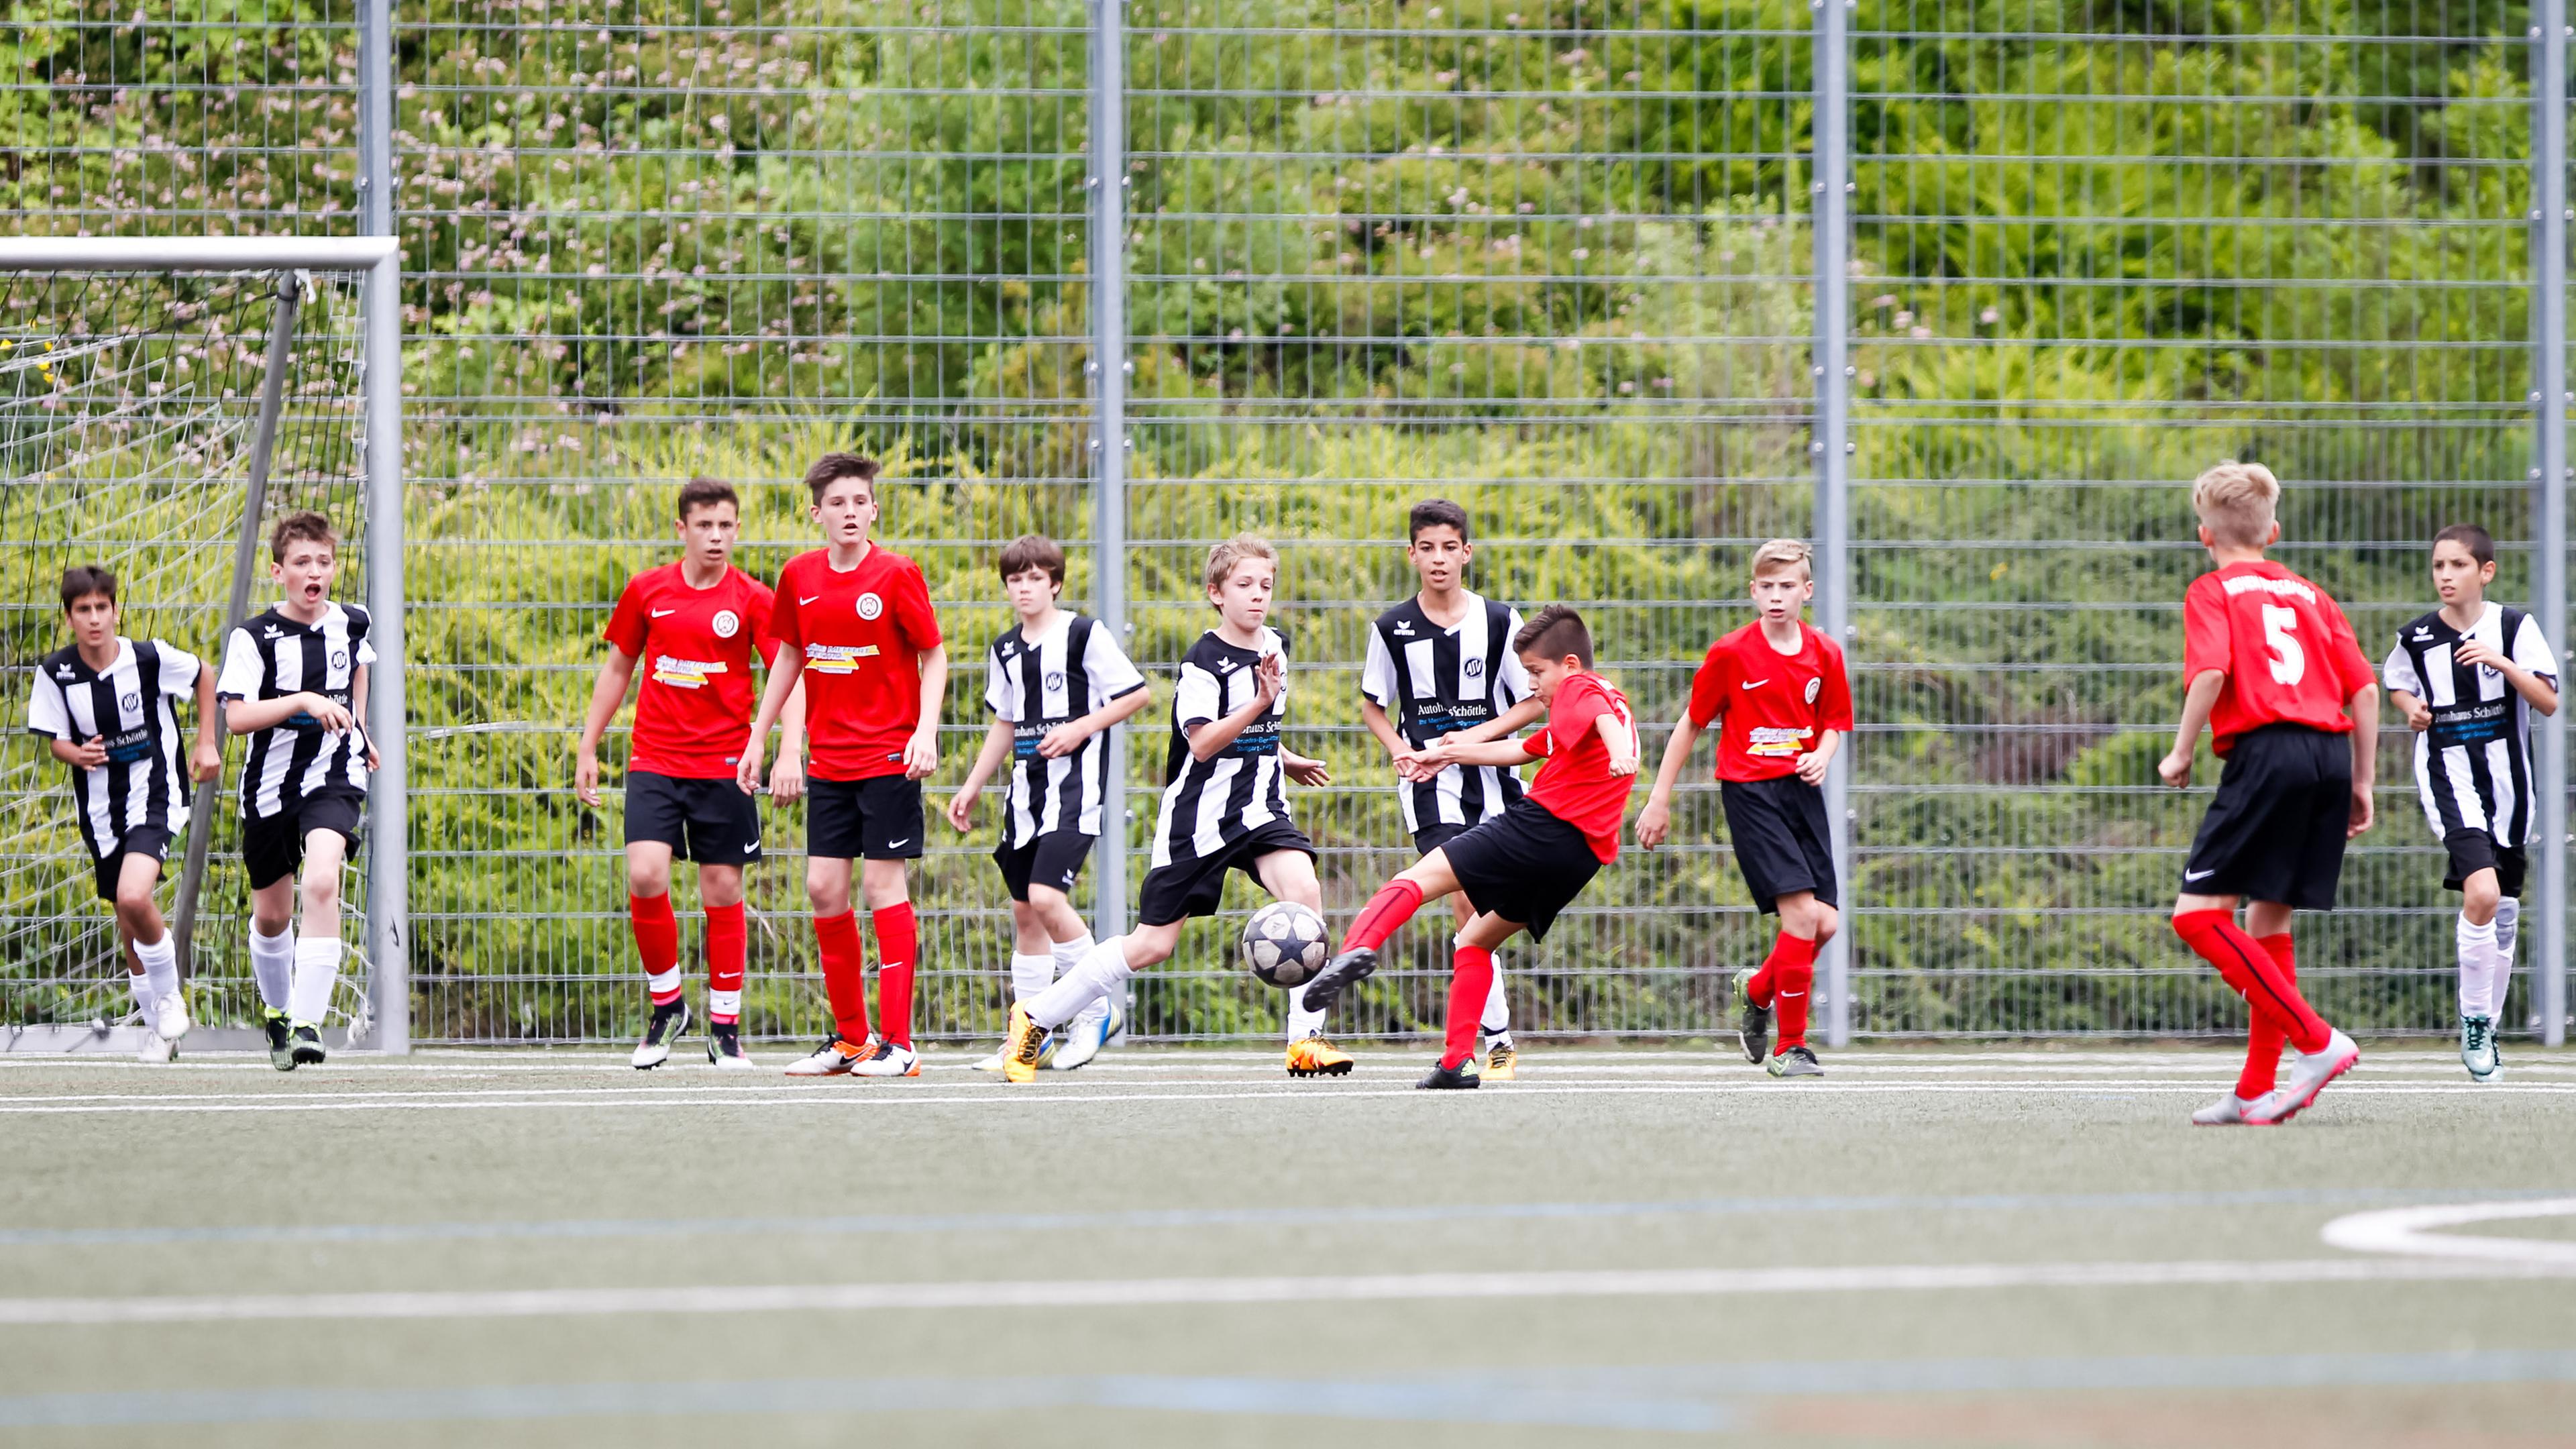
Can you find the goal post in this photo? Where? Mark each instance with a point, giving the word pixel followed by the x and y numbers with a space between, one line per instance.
pixel 150 414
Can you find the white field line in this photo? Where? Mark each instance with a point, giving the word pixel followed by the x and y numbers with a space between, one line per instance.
pixel 1179 1292
pixel 865 1098
pixel 2410 1231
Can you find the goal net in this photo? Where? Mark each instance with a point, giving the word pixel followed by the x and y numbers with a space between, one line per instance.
pixel 154 422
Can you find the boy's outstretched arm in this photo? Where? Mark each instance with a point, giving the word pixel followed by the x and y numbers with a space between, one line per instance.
pixel 2197 702
pixel 1655 822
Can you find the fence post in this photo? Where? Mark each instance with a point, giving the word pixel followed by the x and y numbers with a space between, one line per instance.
pixel 1830 187
pixel 388 797
pixel 1109 372
pixel 2549 571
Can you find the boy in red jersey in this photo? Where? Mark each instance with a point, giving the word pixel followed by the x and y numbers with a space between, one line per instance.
pixel 2272 668
pixel 857 623
pixel 1786 702
pixel 702 622
pixel 1523 867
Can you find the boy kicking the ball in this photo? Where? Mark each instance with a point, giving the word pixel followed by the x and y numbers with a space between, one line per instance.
pixel 1520 870
pixel 1225 809
pixel 2274 672
pixel 1057 683
pixel 1779 686
pixel 2467 676
pixel 103 707
pixel 1442 663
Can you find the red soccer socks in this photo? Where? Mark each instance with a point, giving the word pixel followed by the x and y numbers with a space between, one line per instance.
pixel 2250 969
pixel 1392 906
pixel 898 951
pixel 727 944
pixel 657 943
pixel 2263 1040
pixel 1471 982
pixel 836 941
pixel 1786 983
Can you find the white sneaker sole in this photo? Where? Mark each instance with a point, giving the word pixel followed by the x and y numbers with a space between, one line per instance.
pixel 647 1058
pixel 2292 1107
pixel 734 1064
pixel 801 1069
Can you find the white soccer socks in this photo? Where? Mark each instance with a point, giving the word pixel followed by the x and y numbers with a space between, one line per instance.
pixel 1497 1020
pixel 272 964
pixel 1030 975
pixel 1102 970
pixel 2477 950
pixel 317 970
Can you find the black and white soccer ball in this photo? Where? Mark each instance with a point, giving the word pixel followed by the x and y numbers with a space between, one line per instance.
pixel 1285 944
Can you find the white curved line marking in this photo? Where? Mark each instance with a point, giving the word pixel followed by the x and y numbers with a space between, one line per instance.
pixel 2411 1232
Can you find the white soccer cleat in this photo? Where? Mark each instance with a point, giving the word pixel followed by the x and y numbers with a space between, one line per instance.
pixel 1085 1036
pixel 2478 1050
pixel 992 1063
pixel 2227 1111
pixel 883 1058
pixel 170 1017
pixel 2309 1072
pixel 156 1050
pixel 833 1058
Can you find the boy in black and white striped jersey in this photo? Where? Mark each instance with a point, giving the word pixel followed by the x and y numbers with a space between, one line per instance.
pixel 102 706
pixel 1057 683
pixel 1225 809
pixel 295 681
pixel 2467 677
pixel 1442 661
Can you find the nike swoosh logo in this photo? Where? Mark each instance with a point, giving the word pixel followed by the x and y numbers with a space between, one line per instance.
pixel 802 600
pixel 662 613
pixel 898 844
pixel 1755 683
pixel 2198 874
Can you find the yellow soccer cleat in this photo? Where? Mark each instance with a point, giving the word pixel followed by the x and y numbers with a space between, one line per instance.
pixel 1503 1063
pixel 1024 1045
pixel 1316 1057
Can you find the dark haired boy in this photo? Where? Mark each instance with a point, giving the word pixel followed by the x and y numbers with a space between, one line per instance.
pixel 1522 868
pixel 1056 682
pixel 2467 676
pixel 857 626
pixel 102 705
pixel 1443 661
pixel 1780 688
pixel 295 681
pixel 703 624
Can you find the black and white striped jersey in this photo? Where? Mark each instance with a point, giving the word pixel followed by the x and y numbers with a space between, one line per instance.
pixel 1210 804
pixel 2473 767
pixel 1033 685
pixel 1437 681
pixel 125 707
pixel 273 656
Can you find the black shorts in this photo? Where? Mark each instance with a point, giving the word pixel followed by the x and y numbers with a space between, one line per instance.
pixel 878 818
pixel 1193 887
pixel 2275 830
pixel 1783 842
pixel 149 840
pixel 709 821
pixel 273 845
pixel 1052 859
pixel 1433 836
pixel 2475 850
pixel 1524 865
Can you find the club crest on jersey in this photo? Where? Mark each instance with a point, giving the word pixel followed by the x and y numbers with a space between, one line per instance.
pixel 1815 687
pixel 870 606
pixel 1475 669
pixel 339 659
pixel 1055 679
pixel 130 703
pixel 727 623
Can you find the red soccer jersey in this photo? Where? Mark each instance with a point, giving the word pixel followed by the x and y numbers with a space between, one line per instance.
pixel 861 634
pixel 1777 706
pixel 697 648
pixel 2287 651
pixel 1575 785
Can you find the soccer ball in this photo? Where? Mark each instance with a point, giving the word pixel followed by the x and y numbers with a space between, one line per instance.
pixel 1285 943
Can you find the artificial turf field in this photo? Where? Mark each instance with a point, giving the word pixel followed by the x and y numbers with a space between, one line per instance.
pixel 1970 1247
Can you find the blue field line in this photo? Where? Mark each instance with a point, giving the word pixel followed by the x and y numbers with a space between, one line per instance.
pixel 1156 1219
pixel 1670 1398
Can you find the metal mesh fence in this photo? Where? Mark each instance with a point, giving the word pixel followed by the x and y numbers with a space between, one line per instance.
pixel 1552 260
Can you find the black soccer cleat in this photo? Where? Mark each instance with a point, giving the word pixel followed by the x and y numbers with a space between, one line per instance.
pixel 1340 974
pixel 1460 1078
pixel 670 1018
pixel 1752 1023
pixel 281 1040
pixel 308 1045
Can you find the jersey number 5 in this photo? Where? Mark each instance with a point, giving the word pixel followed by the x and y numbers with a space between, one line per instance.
pixel 2289 661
